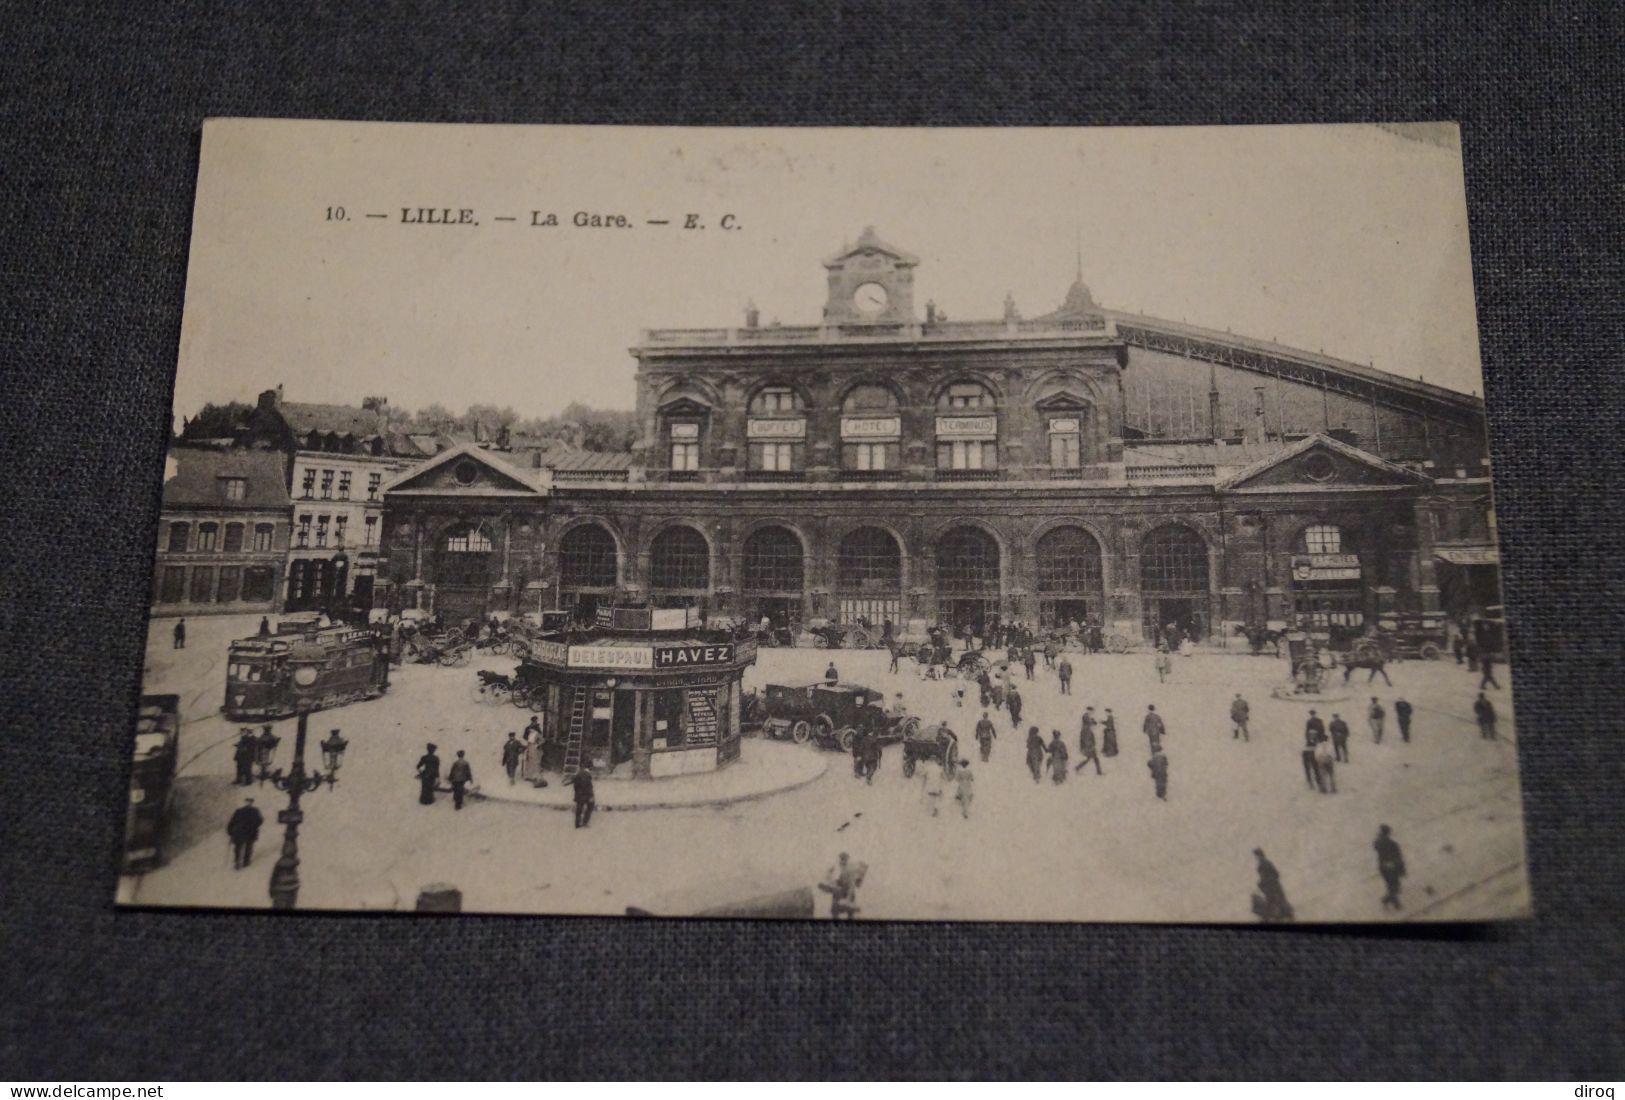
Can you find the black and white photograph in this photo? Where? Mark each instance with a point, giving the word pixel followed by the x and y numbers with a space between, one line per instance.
pixel 996 525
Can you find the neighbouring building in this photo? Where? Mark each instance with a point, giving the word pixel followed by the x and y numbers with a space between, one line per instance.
pixel 222 532
pixel 1083 464
pixel 336 459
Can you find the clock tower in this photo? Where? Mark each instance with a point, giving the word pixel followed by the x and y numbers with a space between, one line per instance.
pixel 870 283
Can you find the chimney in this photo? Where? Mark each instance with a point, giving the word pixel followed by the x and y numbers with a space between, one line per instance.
pixel 1255 427
pixel 752 316
pixel 1213 402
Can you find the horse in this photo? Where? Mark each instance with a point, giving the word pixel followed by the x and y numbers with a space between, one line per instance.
pixel 1376 662
pixel 1258 637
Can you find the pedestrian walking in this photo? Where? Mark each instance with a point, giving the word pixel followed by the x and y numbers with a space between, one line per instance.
pixel 1064 671
pixel 460 776
pixel 830 675
pixel 243 830
pixel 1325 767
pixel 1035 753
pixel 1086 742
pixel 1239 712
pixel 1487 662
pixel 1108 734
pixel 1340 738
pixel 180 633
pixel 1314 730
pixel 513 751
pixel 860 746
pixel 964 789
pixel 1051 651
pixel 265 627
pixel 1472 654
pixel 243 756
pixel 428 775
pixel 896 651
pixel 1311 769
pixel 985 683
pixel 1484 712
pixel 1375 715
pixel 1270 902
pixel 871 757
pixel 1402 715
pixel 985 735
pixel 581 786
pixel 1165 665
pixel 841 883
pixel 1459 646
pixel 1158 766
pixel 1390 865
pixel 1029 662
pixel 1057 758
pixel 1013 700
pixel 1154 728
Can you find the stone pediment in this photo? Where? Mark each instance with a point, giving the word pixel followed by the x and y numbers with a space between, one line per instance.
pixel 1062 401
pixel 685 406
pixel 466 470
pixel 1321 463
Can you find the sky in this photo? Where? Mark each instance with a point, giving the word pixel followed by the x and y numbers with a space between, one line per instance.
pixel 1350 240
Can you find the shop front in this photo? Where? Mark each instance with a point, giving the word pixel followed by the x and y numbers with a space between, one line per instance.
pixel 645 703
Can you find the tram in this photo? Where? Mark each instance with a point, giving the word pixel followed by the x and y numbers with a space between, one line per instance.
pixel 351 663
pixel 152 780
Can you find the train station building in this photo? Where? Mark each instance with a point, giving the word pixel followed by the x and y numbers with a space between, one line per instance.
pixel 889 464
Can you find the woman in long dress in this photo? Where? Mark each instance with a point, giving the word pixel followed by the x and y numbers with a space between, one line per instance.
pixel 530 765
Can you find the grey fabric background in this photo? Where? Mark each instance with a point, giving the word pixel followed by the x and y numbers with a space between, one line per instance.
pixel 100 108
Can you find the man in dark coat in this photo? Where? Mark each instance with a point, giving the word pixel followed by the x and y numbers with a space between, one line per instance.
pixel 1035 753
pixel 985 683
pixel 1029 662
pixel 180 633
pixel 1158 766
pixel 265 626
pixel 1153 727
pixel 1270 902
pixel 1064 671
pixel 243 830
pixel 1402 715
pixel 860 746
pixel 985 734
pixel 871 756
pixel 1314 732
pixel 1013 701
pixel 830 675
pixel 1390 865
pixel 513 750
pixel 1097 638
pixel 1339 730
pixel 243 756
pixel 1375 714
pixel 1487 662
pixel 428 776
pixel 1108 734
pixel 582 786
pixel 1086 742
pixel 1239 713
pixel 1484 711
pixel 460 776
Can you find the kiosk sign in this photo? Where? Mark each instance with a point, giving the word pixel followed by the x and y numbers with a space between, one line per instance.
pixel 611 656
pixel 693 656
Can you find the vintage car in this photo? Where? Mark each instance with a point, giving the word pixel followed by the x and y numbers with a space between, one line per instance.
pixel 830 714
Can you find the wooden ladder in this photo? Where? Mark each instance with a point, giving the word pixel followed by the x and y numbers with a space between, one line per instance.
pixel 577 733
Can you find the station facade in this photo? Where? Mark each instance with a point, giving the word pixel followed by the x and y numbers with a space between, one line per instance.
pixel 886 464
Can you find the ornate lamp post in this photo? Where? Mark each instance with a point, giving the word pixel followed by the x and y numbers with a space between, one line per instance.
pixel 285 875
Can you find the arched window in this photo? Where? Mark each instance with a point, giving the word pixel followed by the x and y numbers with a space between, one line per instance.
pixel 1323 538
pixel 773 561
pixel 777 431
pixel 869 576
pixel 588 558
pixel 178 535
pixel 1174 582
pixel 1070 578
pixel 967 428
pixel 208 536
pixel 776 401
pixel 968 563
pixel 871 430
pixel 680 559
pixel 465 557
pixel 264 537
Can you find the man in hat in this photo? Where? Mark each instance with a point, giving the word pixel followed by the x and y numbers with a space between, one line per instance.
pixel 1035 753
pixel 1013 701
pixel 1064 671
pixel 1390 865
pixel 243 829
pixel 1158 766
pixel 428 776
pixel 841 883
pixel 1375 715
pixel 1239 713
pixel 180 633
pixel 830 675
pixel 1086 742
pixel 460 776
pixel 985 733
pixel 1270 902
pixel 964 789
pixel 1402 715
pixel 581 785
pixel 243 755
pixel 1484 712
pixel 1340 738
pixel 1153 727
pixel 513 750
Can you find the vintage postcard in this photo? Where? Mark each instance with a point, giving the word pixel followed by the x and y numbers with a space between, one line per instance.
pixel 1078 525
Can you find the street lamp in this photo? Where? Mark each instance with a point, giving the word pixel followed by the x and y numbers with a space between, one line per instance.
pixel 285 875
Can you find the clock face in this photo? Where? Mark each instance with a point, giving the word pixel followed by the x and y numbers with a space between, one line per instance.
pixel 870 298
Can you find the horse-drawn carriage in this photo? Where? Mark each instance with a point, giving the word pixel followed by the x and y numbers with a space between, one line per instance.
pixel 827 634
pixel 930 743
